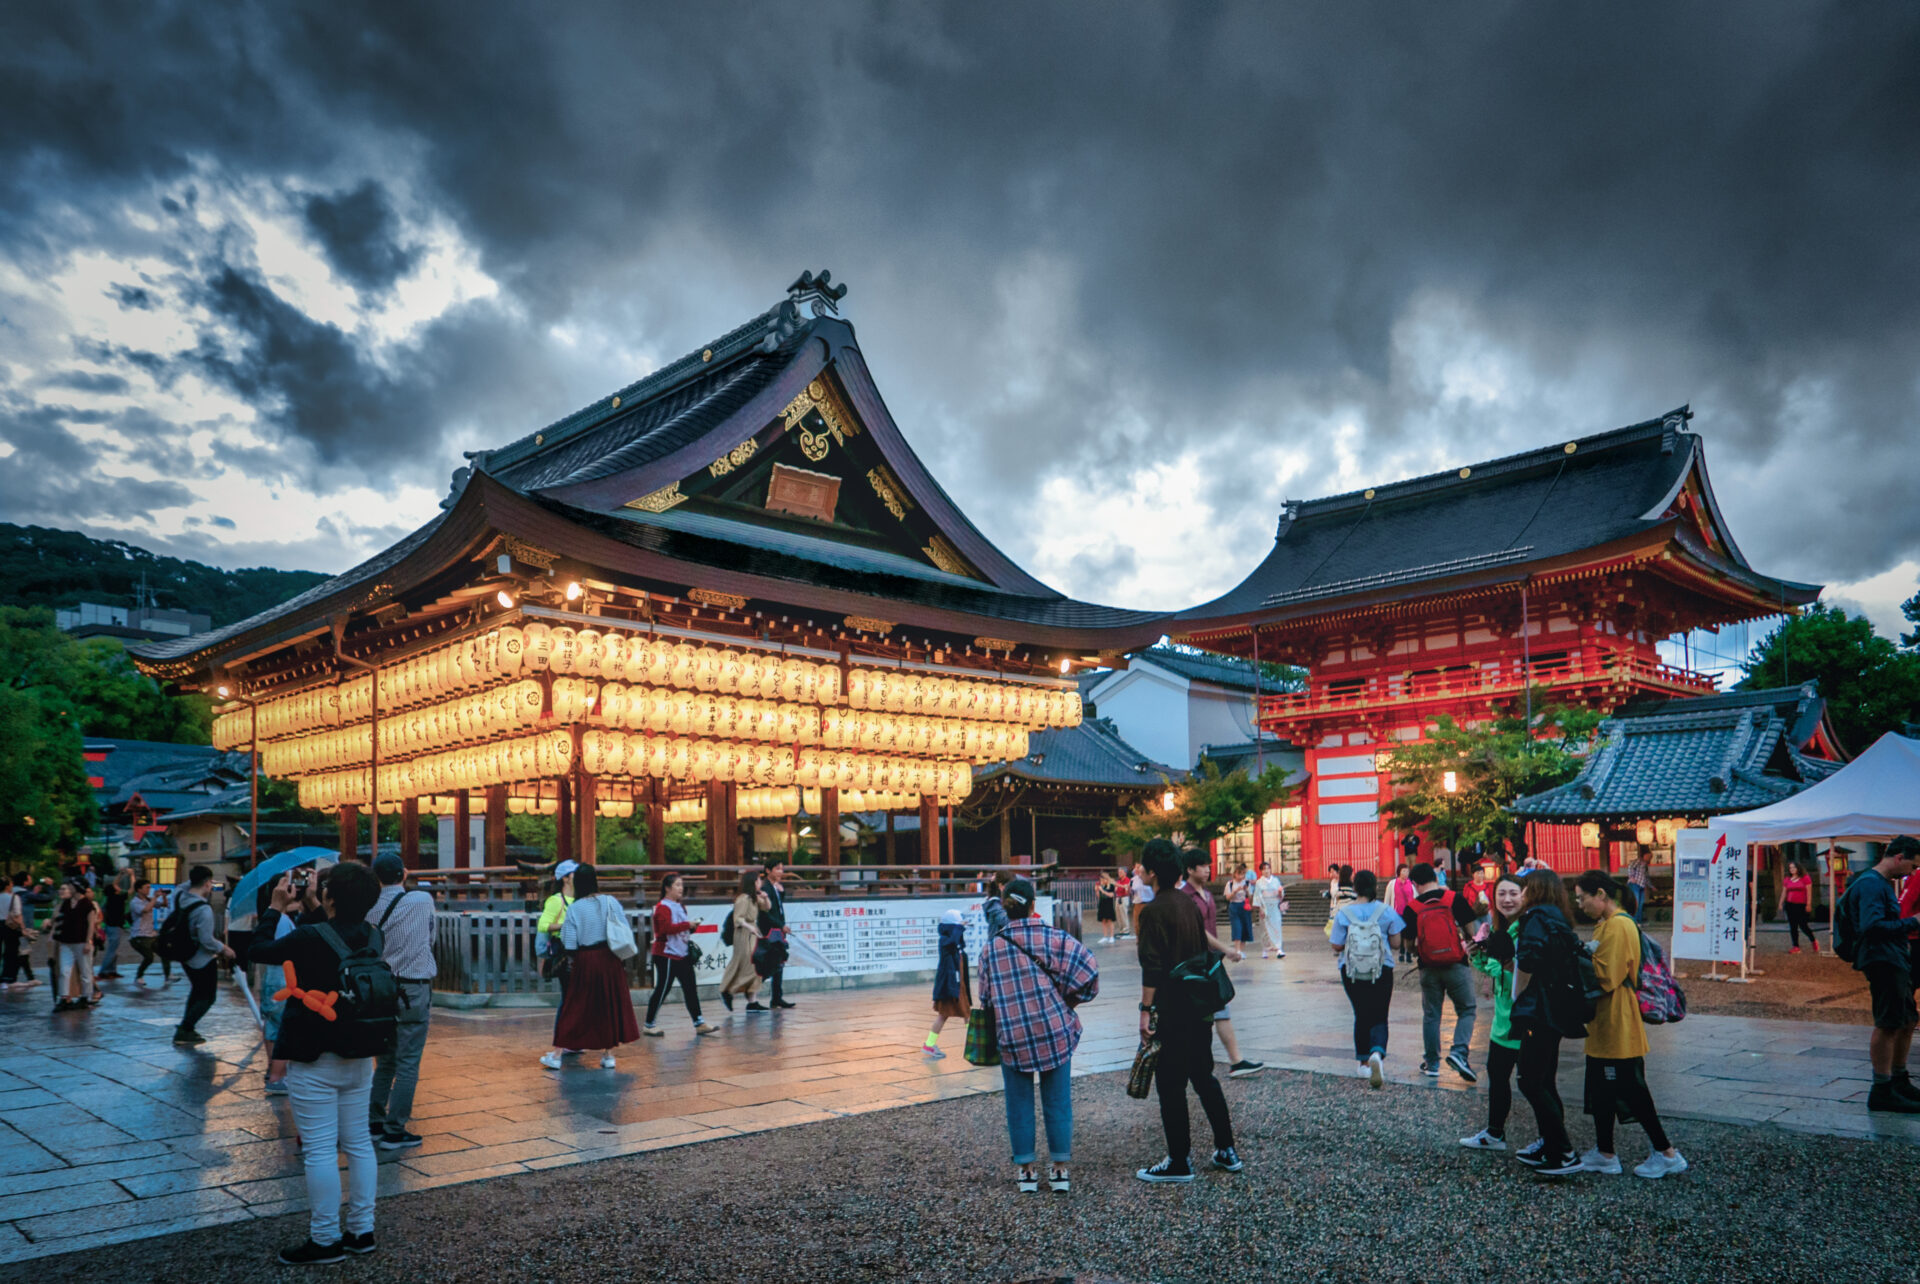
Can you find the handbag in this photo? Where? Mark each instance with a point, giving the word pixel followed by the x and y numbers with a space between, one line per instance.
pixel 1203 984
pixel 1146 1059
pixel 556 965
pixel 983 1038
pixel 620 932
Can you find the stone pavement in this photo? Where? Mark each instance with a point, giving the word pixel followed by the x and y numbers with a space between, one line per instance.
pixel 109 1133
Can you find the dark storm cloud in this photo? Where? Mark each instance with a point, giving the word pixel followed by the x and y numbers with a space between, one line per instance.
pixel 1236 209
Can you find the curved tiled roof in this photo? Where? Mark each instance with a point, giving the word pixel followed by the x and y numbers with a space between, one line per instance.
pixel 1090 754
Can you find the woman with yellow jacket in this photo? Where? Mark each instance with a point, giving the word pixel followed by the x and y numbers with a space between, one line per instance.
pixel 1616 1038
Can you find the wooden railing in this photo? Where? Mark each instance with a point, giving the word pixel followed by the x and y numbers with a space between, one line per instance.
pixel 1507 678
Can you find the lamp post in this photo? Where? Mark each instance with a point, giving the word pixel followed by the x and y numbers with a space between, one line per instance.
pixel 227 692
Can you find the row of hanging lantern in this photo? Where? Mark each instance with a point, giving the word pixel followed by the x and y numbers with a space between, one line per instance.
pixel 511 653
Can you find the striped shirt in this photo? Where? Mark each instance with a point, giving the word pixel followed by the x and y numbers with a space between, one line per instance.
pixel 1034 1018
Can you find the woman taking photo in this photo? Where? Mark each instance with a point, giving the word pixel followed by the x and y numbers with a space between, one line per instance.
pixel 1239 894
pixel 671 957
pixel 740 977
pixel 1617 1038
pixel 1796 897
pixel 1033 976
pixel 596 1009
pixel 1494 957
pixel 1547 1007
pixel 1364 936
pixel 1103 913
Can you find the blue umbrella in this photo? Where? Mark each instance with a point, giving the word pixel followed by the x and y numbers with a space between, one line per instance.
pixel 241 899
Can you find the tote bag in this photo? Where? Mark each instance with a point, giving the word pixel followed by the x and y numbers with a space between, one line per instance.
pixel 619 931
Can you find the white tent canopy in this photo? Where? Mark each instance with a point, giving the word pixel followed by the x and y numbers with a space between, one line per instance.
pixel 1876 797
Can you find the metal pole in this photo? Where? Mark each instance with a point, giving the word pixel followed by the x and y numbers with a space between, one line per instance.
pixel 253 782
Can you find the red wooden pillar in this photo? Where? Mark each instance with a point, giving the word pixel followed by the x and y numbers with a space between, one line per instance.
pixel 462 831
pixel 588 805
pixel 563 820
pixel 929 830
pixel 736 846
pixel 1260 842
pixel 656 822
pixel 349 833
pixel 716 823
pixel 496 846
pixel 410 832
pixel 830 826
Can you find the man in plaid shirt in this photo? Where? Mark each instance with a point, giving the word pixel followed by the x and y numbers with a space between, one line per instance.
pixel 1033 976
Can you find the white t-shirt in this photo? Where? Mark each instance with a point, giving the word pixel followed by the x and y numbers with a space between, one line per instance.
pixel 676 945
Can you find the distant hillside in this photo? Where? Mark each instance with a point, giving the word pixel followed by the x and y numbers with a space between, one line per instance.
pixel 40 566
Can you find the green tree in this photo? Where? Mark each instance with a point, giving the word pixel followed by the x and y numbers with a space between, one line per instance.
pixel 1205 806
pixel 618 841
pixel 1491 765
pixel 1871 686
pixel 1911 609
pixel 118 702
pixel 46 805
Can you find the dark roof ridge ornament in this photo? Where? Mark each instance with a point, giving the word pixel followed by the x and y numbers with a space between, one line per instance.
pixel 818 295
pixel 1674 422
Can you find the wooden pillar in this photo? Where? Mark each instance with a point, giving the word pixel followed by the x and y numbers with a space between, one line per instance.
pixel 830 826
pixel 736 846
pixel 349 833
pixel 462 832
pixel 563 820
pixel 656 822
pixel 716 823
pixel 929 830
pixel 496 846
pixel 587 803
pixel 1260 842
pixel 893 854
pixel 410 832
pixel 950 835
pixel 1006 836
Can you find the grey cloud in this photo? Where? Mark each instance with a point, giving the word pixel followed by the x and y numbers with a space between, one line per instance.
pixel 360 234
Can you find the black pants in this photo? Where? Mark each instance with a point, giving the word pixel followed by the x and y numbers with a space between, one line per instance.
pixel 199 995
pixel 667 970
pixel 1620 1086
pixel 1799 921
pixel 1539 1064
pixel 773 985
pixel 1370 1000
pixel 143 946
pixel 1186 1057
pixel 10 954
pixel 1500 1063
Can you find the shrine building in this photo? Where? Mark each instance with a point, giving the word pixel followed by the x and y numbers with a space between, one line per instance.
pixel 1556 570
pixel 729 591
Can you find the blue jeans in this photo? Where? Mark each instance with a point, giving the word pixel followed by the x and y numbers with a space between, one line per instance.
pixel 1056 1100
pixel 1241 919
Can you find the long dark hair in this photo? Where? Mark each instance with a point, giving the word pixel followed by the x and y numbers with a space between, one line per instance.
pixel 586 882
pixel 749 883
pixel 1543 887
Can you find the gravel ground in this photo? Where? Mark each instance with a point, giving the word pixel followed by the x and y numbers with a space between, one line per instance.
pixel 1341 1183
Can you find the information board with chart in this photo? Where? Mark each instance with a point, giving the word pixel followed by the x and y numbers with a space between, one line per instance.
pixel 861 937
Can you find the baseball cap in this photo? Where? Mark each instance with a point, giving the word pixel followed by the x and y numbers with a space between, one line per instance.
pixel 565 867
pixel 1020 891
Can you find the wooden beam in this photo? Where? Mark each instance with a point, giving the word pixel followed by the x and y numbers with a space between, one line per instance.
pixel 496 831
pixel 462 831
pixel 349 833
pixel 929 830
pixel 410 832
pixel 656 822
pixel 830 826
pixel 1006 836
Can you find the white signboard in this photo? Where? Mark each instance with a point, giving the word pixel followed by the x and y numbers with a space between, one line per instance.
pixel 857 937
pixel 1709 896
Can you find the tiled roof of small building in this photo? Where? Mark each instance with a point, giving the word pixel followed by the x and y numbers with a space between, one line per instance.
pixel 1090 754
pixel 1199 667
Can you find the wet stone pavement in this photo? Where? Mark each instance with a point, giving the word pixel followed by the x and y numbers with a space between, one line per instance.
pixel 109 1133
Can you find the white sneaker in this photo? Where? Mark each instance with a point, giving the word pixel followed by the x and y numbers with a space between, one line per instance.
pixel 1374 1074
pixel 1483 1140
pixel 1595 1162
pixel 606 1062
pixel 551 1060
pixel 653 1032
pixel 1366 1069
pixel 1658 1165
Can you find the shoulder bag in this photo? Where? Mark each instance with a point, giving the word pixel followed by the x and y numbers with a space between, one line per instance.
pixel 620 937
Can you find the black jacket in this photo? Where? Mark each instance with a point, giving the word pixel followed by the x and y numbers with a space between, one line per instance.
pixel 304 1034
pixel 1552 1003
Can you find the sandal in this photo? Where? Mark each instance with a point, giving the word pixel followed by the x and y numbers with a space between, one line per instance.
pixel 1057 1178
pixel 1028 1179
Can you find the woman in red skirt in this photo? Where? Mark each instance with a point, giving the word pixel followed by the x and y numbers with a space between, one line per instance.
pixel 597 1010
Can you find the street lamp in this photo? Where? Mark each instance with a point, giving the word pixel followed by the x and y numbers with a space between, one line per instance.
pixel 1166 801
pixel 1450 782
pixel 227 692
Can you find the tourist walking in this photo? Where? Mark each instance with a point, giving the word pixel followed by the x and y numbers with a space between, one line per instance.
pixel 1364 936
pixel 1123 901
pixel 1640 883
pixel 113 921
pixel 1441 929
pixel 149 904
pixel 207 954
pixel 671 956
pixel 1493 956
pixel 1032 977
pixel 740 978
pixel 951 995
pixel 15 932
pixel 596 1011
pixel 553 915
pixel 1870 928
pixel 1239 894
pixel 330 1062
pixel 1272 895
pixel 74 925
pixel 405 921
pixel 1400 894
pixel 1172 933
pixel 1194 885
pixel 1617 1038
pixel 1548 1006
pixel 1796 897
pixel 772 898
pixel 1103 907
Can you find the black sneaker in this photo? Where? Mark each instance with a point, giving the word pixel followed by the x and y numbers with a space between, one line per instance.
pixel 189 1038
pixel 1903 1086
pixel 1241 1069
pixel 1429 1069
pixel 312 1254
pixel 726 1000
pixel 782 1003
pixel 1227 1160
pixel 1458 1061
pixel 1532 1156
pixel 1882 1098
pixel 378 1130
pixel 1166 1171
pixel 361 1244
pixel 756 1007
pixel 1561 1166
pixel 398 1140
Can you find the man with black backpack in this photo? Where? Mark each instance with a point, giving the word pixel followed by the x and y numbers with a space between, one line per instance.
pixel 188 938
pixel 1870 934
pixel 337 968
pixel 405 920
pixel 1440 918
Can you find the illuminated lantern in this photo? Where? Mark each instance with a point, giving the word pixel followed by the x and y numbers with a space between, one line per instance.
pixel 613 657
pixel 566 649
pixel 780 770
pixel 1590 835
pixel 807 767
pixel 539 646
pixel 509 651
pixel 706 669
pixel 1643 832
pixel 726 671
pixel 1663 832
pixel 680 666
pixel 586 660
pixel 613 703
pixel 858 684
pixel 680 759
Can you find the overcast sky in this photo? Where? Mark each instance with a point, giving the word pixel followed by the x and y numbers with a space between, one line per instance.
pixel 1128 275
